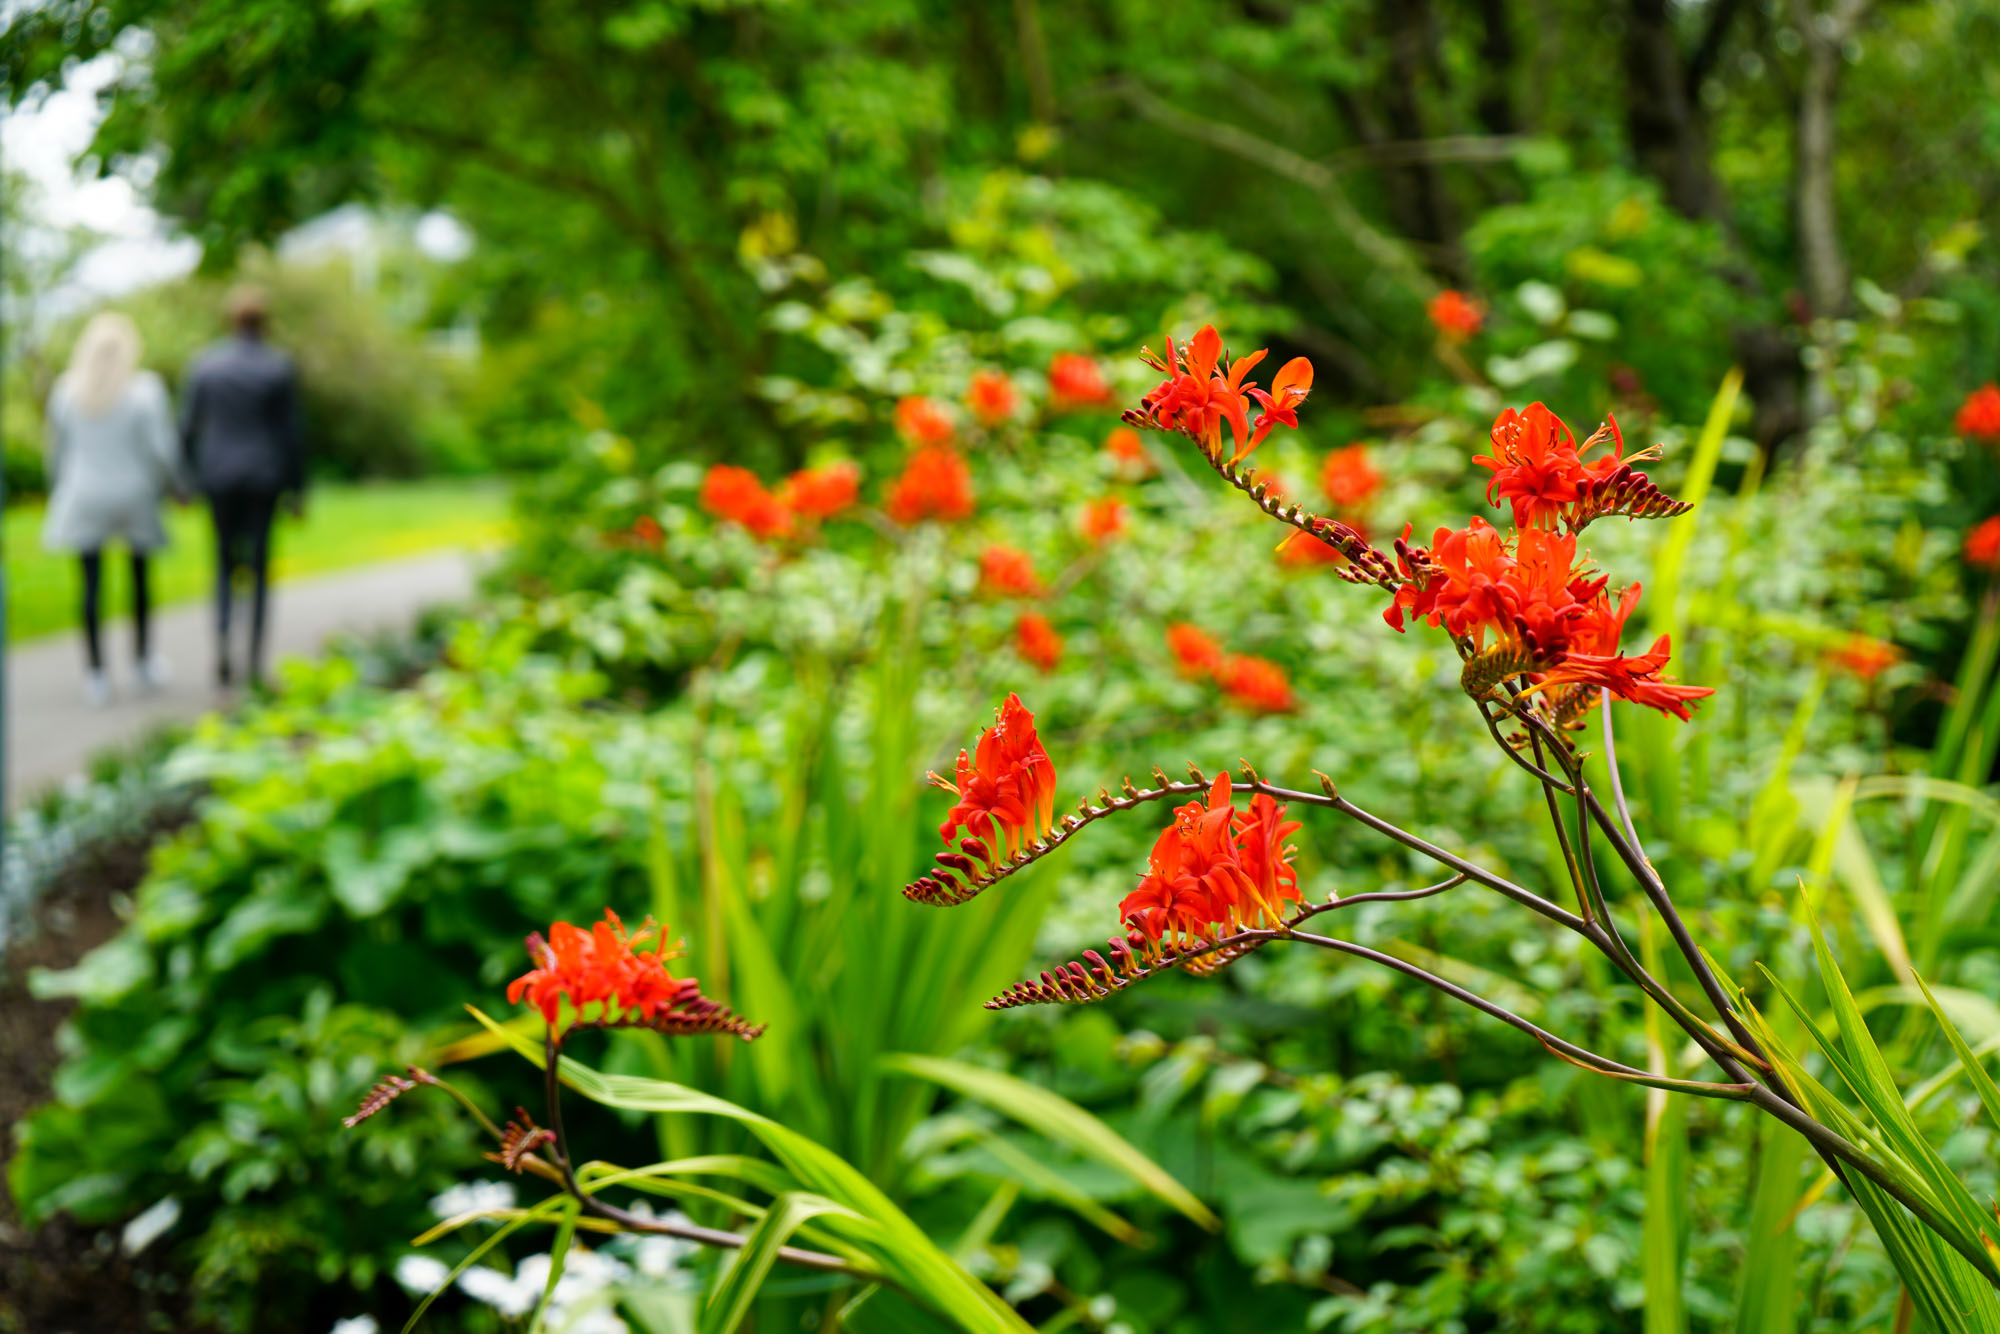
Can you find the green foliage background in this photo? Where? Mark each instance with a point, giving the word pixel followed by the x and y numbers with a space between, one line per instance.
pixel 741 232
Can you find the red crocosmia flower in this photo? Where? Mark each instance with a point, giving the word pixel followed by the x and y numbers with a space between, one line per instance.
pixel 1592 659
pixel 1202 391
pixel 1196 652
pixel 1037 641
pixel 1456 316
pixel 1281 406
pixel 935 484
pixel 1535 465
pixel 1256 683
pixel 1076 381
pixel 1266 857
pixel 822 492
pixel 1979 415
pixel 1125 446
pixel 1215 870
pixel 1008 572
pixel 1982 544
pixel 646 531
pixel 1006 789
pixel 1103 518
pixel 991 398
pixel 610 981
pixel 1348 478
pixel 738 495
pixel 924 421
pixel 1549 480
pixel 1301 549
pixel 1866 658
pixel 1533 609
pixel 1195 875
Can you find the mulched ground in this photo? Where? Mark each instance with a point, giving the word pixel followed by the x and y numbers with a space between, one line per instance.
pixel 61 1278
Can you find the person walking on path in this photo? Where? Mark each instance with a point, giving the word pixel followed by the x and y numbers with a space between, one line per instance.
pixel 241 428
pixel 111 458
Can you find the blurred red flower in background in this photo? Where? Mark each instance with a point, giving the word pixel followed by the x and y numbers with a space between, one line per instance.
pixel 1455 315
pixel 1348 478
pixel 1076 381
pixel 822 492
pixel 1103 518
pixel 1197 652
pixel 1979 415
pixel 1256 683
pixel 924 421
pixel 1037 641
pixel 1864 657
pixel 1009 572
pixel 991 398
pixel 1125 446
pixel 1302 549
pixel 935 484
pixel 1982 544
pixel 738 495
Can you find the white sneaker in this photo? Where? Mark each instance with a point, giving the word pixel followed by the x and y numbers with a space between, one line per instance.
pixel 96 689
pixel 154 672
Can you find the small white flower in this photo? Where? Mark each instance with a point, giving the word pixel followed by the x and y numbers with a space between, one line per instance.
pixel 357 1324
pixel 147 1228
pixel 468 1196
pixel 421 1273
pixel 511 1297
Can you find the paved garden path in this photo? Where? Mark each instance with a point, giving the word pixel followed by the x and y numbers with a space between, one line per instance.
pixel 52 733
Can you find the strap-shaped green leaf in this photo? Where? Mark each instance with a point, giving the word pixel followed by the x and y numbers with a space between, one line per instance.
pixel 1061 1120
pixel 730 1302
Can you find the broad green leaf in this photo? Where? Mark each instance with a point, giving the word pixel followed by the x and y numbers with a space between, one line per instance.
pixel 1058 1118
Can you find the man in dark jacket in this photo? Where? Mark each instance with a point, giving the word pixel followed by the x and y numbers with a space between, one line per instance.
pixel 240 426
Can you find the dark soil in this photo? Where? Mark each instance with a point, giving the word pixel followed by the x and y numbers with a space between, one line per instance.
pixel 62 1278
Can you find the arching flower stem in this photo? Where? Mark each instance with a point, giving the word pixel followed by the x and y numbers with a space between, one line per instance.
pixel 1604 1064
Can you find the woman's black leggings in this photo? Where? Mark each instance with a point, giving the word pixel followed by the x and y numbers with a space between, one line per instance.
pixel 93 580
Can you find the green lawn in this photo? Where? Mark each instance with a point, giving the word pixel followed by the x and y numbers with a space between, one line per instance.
pixel 345 525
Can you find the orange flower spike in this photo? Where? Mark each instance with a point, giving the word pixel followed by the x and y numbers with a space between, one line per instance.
pixel 991 397
pixel 1008 572
pixel 1196 652
pixel 1979 416
pixel 1006 789
pixel 924 421
pixel 1037 641
pixel 610 982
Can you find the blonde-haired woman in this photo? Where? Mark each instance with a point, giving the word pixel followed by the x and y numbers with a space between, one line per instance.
pixel 112 455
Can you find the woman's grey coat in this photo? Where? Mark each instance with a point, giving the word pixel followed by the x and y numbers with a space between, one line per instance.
pixel 107 474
